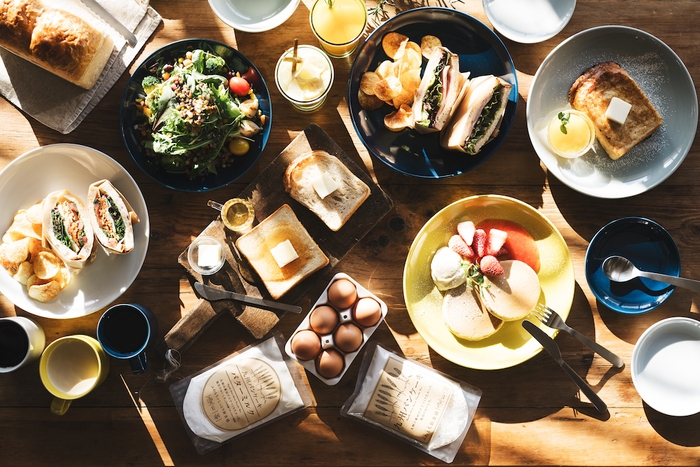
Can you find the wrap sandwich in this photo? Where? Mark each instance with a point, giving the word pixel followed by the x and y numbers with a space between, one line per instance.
pixel 67 229
pixel 440 90
pixel 112 217
pixel 478 118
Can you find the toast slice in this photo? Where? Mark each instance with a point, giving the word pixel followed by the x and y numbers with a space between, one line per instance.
pixel 256 246
pixel 591 93
pixel 337 207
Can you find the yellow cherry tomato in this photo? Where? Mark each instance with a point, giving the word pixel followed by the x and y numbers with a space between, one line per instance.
pixel 238 146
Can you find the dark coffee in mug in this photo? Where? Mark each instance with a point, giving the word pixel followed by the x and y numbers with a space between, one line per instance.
pixel 14 343
pixel 126 331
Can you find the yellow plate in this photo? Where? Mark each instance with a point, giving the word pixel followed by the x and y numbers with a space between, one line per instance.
pixel 511 345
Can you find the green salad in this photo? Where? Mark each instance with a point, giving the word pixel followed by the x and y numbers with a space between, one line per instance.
pixel 199 116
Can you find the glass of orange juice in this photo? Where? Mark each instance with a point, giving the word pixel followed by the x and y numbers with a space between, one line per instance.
pixel 338 25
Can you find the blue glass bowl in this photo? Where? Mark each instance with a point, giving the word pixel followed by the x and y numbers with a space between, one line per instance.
pixel 481 52
pixel 650 247
pixel 129 117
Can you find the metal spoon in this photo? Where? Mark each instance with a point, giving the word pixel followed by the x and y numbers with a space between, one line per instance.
pixel 621 269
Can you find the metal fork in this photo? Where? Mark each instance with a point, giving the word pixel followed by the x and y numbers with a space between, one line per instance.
pixel 551 318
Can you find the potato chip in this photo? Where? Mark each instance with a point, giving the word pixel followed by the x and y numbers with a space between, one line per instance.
pixel 46 265
pixel 391 43
pixel 428 43
pixel 34 214
pixel 404 98
pixel 63 277
pixel 35 247
pixel 411 60
pixel 369 79
pixel 386 69
pixel 399 119
pixel 24 272
pixel 410 80
pixel 410 45
pixel 388 88
pixel 369 102
pixel 15 252
pixel 44 292
pixel 21 227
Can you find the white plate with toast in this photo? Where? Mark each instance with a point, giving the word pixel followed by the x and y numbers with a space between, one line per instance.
pixel 32 176
pixel 657 70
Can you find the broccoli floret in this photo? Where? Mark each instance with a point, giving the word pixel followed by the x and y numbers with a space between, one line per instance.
pixel 214 65
pixel 149 83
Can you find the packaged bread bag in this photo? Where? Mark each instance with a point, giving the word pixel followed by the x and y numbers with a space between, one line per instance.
pixel 413 402
pixel 240 393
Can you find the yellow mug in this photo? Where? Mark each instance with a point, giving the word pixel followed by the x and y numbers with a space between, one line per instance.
pixel 70 368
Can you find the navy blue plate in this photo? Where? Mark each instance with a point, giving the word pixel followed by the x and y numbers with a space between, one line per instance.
pixel 480 51
pixel 129 116
pixel 650 247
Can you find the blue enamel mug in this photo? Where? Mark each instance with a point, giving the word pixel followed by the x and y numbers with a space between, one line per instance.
pixel 125 330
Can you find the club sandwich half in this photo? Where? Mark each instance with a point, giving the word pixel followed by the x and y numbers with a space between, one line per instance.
pixel 439 92
pixel 478 118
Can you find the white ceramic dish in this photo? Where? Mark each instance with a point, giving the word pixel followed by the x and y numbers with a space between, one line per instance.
pixel 251 16
pixel 665 368
pixel 529 21
pixel 32 176
pixel 660 74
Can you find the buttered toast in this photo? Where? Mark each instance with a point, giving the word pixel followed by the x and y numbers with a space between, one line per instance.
pixel 592 92
pixel 259 244
pixel 322 183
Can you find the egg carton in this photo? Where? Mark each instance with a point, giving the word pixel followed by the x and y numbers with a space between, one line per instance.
pixel 345 316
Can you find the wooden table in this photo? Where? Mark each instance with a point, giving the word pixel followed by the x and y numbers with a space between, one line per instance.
pixel 530 414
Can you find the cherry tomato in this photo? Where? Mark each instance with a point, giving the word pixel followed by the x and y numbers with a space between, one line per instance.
pixel 238 146
pixel 239 86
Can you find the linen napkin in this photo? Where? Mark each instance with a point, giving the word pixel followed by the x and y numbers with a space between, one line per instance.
pixel 61 105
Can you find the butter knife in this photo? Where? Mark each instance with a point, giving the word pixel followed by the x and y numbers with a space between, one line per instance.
pixel 212 294
pixel 99 10
pixel 553 349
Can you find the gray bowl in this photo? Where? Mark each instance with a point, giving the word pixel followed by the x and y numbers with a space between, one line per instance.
pixel 664 79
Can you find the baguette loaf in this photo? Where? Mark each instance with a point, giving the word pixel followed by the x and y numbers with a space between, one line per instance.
pixel 592 92
pixel 337 207
pixel 60 36
pixel 256 246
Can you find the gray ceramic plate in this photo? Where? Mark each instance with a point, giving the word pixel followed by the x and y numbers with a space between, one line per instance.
pixel 664 79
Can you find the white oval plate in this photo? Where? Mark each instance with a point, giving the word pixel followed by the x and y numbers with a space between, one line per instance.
pixel 33 175
pixel 665 368
pixel 665 81
pixel 529 21
pixel 251 16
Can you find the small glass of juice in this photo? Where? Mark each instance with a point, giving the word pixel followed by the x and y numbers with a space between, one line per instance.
pixel 570 133
pixel 304 78
pixel 338 25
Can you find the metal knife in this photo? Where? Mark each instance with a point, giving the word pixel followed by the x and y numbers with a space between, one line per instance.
pixel 213 294
pixel 553 349
pixel 99 10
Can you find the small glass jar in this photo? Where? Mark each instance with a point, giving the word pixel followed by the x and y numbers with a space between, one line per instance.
pixel 570 133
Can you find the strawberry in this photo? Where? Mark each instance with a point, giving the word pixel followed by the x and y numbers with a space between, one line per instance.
pixel 480 242
pixel 497 238
pixel 466 231
pixel 458 245
pixel 490 266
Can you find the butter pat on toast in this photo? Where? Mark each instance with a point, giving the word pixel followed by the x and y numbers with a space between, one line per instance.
pixel 257 245
pixel 322 183
pixel 592 92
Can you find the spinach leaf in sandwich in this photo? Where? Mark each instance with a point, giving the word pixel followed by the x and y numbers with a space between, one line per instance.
pixel 433 95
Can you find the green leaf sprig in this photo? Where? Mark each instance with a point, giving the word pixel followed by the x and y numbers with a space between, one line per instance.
pixel 564 119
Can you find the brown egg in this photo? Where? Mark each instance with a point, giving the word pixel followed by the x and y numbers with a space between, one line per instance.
pixel 329 363
pixel 342 294
pixel 306 344
pixel 323 319
pixel 348 337
pixel 367 312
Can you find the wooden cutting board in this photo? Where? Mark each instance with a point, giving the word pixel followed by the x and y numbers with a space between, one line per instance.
pixel 267 193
